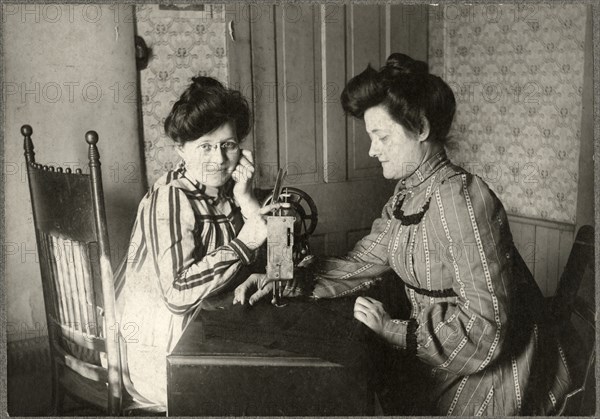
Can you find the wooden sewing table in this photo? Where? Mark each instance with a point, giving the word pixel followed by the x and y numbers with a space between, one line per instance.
pixel 304 359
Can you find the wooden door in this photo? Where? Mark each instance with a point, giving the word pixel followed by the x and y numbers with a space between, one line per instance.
pixel 292 62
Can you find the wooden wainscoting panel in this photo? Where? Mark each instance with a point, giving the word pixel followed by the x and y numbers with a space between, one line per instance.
pixel 552 260
pixel 565 245
pixel 524 239
pixel 545 247
pixel 540 271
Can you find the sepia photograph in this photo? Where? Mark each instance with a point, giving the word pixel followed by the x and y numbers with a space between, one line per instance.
pixel 298 208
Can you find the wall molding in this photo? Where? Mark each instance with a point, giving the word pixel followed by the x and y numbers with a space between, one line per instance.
pixel 556 225
pixel 545 247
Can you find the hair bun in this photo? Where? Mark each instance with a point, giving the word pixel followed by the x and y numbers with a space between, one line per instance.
pixel 402 64
pixel 203 82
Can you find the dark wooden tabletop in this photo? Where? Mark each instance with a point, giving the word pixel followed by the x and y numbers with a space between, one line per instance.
pixel 317 349
pixel 323 329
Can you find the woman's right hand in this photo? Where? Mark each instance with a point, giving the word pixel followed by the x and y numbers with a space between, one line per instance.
pixel 251 290
pixel 254 232
pixel 257 286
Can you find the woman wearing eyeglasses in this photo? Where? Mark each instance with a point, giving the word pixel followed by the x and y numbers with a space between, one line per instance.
pixel 196 230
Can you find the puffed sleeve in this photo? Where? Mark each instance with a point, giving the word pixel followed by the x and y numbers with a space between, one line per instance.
pixel 338 276
pixel 471 225
pixel 186 272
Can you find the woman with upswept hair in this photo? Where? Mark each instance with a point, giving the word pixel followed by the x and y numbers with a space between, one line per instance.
pixel 196 233
pixel 475 339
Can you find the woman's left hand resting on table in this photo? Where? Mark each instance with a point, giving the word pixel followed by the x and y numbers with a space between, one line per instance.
pixel 369 311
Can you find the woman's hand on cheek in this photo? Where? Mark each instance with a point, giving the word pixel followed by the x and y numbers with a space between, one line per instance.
pixel 371 312
pixel 243 175
pixel 242 190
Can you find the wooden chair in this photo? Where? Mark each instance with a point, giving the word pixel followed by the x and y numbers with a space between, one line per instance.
pixel 574 309
pixel 87 351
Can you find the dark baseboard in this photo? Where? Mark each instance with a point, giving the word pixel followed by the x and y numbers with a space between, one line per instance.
pixel 28 355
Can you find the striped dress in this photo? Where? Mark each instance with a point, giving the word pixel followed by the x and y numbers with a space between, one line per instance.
pixel 183 248
pixel 475 319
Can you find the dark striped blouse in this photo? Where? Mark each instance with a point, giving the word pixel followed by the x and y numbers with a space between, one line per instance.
pixel 183 248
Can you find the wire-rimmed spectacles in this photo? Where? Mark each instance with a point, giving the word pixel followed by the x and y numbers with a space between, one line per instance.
pixel 228 147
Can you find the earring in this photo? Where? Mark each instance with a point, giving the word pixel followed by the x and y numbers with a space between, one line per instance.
pixel 182 166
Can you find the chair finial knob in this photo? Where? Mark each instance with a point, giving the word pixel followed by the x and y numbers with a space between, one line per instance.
pixel 91 137
pixel 26 130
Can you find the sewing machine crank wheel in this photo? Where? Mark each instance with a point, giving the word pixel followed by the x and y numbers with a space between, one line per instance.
pixel 303 205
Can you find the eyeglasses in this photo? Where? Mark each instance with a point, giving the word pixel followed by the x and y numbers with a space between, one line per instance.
pixel 228 147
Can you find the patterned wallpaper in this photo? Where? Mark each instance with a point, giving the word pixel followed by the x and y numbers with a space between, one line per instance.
pixel 516 70
pixel 517 73
pixel 184 44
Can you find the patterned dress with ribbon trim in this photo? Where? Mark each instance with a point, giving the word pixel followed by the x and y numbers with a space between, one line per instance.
pixel 476 324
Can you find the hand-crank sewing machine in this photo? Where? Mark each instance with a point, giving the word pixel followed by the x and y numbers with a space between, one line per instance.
pixel 287 234
pixel 296 362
